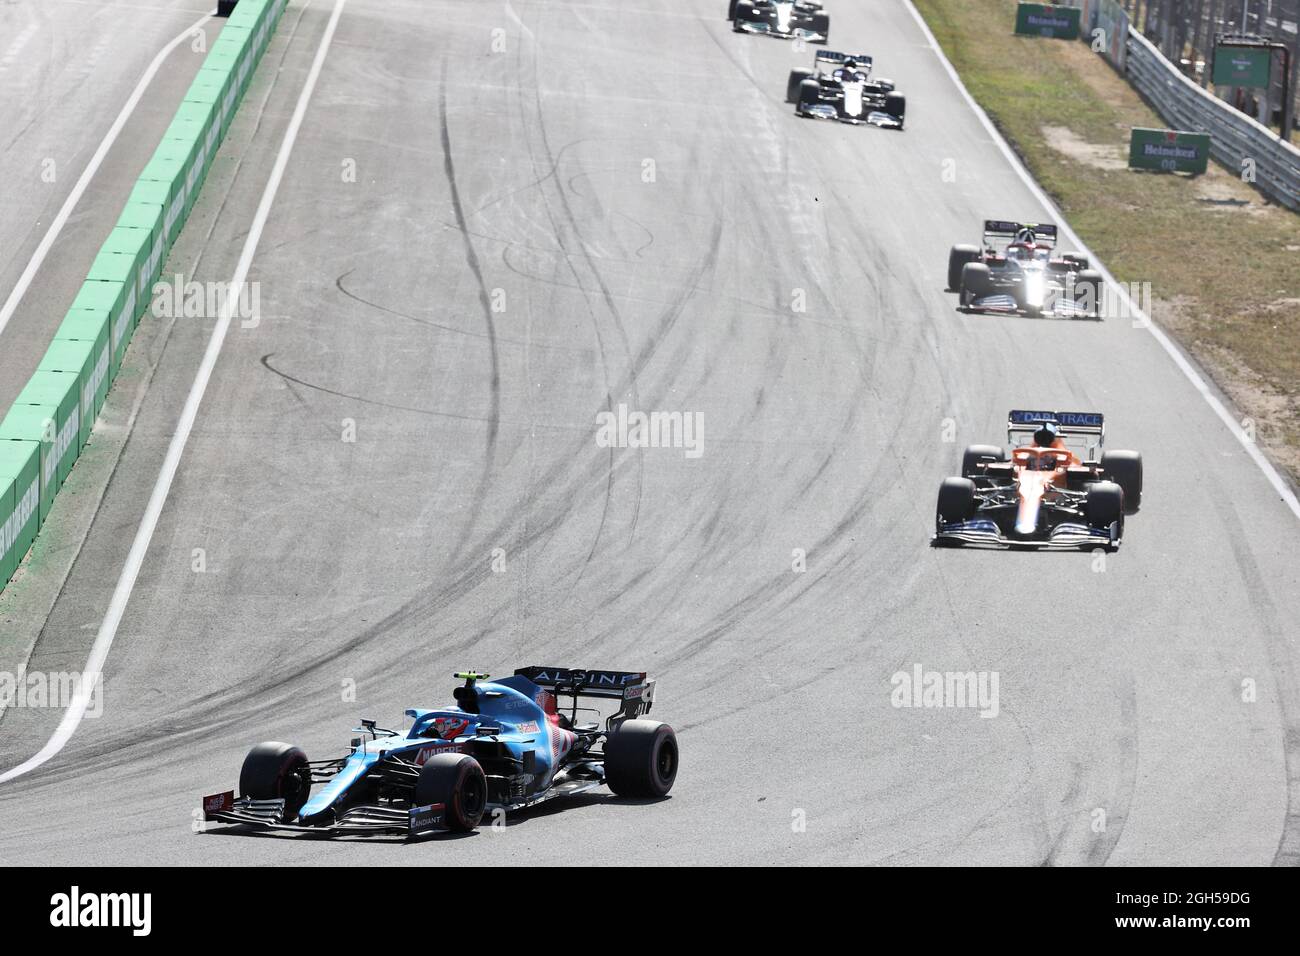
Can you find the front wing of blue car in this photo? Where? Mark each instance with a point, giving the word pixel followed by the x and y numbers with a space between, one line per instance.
pixel 370 819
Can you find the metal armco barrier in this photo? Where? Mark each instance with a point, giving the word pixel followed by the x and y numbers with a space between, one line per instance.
pixel 49 423
pixel 1236 140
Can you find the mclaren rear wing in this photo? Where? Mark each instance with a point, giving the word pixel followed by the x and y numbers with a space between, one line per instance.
pixel 631 687
pixel 1091 426
pixel 1006 229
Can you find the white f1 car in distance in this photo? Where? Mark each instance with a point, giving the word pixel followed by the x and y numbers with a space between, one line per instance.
pixel 785 19
pixel 1017 270
pixel 845 91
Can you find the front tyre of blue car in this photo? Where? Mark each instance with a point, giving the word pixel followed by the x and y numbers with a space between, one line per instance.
pixel 458 783
pixel 641 759
pixel 274 771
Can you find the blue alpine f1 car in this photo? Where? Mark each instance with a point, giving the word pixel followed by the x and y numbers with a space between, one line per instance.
pixel 505 745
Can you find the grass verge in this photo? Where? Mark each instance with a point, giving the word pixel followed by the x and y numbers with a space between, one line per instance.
pixel 1224 264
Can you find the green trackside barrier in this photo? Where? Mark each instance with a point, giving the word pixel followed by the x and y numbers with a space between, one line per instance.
pixel 147 217
pixel 174 162
pixel 248 14
pixel 234 42
pixel 215 88
pixel 29 425
pixel 230 50
pixel 202 122
pixel 275 10
pixel 90 328
pixel 258 15
pixel 1168 150
pixel 185 131
pixel 53 402
pixel 232 64
pixel 87 325
pixel 134 243
pixel 1045 20
pixel 124 267
pixel 7 507
pixel 170 201
pixel 81 360
pixel 119 300
pixel 41 436
pixel 20 502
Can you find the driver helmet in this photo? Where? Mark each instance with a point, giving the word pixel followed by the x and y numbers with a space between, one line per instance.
pixel 1046 434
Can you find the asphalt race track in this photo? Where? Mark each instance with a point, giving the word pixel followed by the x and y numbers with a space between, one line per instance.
pixel 500 271
pixel 67 67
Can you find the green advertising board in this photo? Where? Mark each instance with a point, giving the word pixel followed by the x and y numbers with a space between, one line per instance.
pixel 1242 65
pixel 20 500
pixel 55 397
pixel 90 365
pixel 1168 150
pixel 1044 20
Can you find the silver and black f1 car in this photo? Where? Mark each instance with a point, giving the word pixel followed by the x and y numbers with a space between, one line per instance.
pixel 1016 269
pixel 1052 491
pixel 504 746
pixel 845 91
pixel 787 19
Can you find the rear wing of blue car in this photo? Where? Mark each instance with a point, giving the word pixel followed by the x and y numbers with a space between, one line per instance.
pixel 634 689
pixel 613 685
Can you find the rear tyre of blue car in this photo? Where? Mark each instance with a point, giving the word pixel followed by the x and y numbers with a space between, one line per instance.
pixel 274 771
pixel 458 783
pixel 641 759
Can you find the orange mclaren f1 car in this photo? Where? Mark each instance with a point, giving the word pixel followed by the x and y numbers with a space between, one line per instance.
pixel 1052 491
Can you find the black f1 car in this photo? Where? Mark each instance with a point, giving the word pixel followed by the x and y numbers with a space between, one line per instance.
pixel 1045 494
pixel 506 745
pixel 787 19
pixel 845 91
pixel 1016 269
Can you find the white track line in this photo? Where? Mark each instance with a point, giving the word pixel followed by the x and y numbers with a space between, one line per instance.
pixel 1198 382
pixel 74 197
pixel 144 534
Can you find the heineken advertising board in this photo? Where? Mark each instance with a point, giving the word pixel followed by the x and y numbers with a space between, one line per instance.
pixel 1169 150
pixel 1242 65
pixel 1042 20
